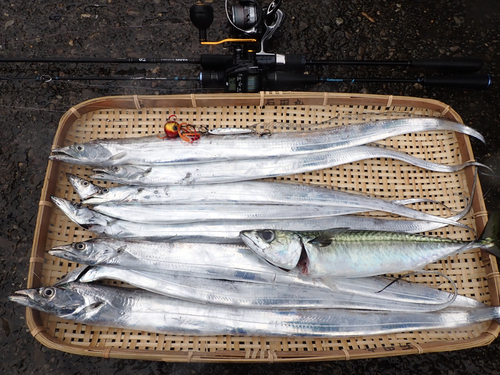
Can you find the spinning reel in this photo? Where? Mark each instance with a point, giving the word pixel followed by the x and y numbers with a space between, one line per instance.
pixel 252 69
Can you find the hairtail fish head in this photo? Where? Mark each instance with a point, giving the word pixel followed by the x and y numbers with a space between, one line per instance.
pixel 121 173
pixel 282 249
pixel 107 195
pixel 90 153
pixel 80 214
pixel 53 300
pixel 83 188
pixel 92 252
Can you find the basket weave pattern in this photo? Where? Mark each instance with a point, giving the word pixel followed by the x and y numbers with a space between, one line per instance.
pixel 475 273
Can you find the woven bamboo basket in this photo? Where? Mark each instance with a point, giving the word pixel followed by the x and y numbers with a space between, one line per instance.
pixel 475 273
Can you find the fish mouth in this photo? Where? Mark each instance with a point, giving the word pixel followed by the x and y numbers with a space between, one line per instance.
pixel 61 154
pixel 60 251
pixel 23 297
pixel 248 240
pixel 65 205
pixel 69 209
pixel 81 186
pixel 74 180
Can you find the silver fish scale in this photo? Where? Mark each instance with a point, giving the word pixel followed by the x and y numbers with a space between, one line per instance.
pixel 151 150
pixel 206 273
pixel 141 310
pixel 255 168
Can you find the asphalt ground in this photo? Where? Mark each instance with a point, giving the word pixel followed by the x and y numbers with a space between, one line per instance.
pixel 340 30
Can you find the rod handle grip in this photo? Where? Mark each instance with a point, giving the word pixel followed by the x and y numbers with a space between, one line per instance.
pixel 289 80
pixel 472 81
pixel 452 64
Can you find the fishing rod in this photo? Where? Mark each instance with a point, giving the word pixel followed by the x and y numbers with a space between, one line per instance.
pixel 280 80
pixel 251 69
pixel 459 65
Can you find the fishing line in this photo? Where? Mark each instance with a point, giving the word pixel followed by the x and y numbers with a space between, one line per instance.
pixel 453 284
pixel 492 174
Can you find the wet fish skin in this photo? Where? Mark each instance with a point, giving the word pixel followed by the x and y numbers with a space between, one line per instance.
pixel 258 295
pixel 257 168
pixel 152 150
pixel 222 261
pixel 239 263
pixel 227 231
pixel 189 213
pixel 366 204
pixel 247 192
pixel 345 252
pixel 142 310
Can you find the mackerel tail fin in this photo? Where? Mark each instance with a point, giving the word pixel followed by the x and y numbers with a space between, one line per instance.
pixel 489 237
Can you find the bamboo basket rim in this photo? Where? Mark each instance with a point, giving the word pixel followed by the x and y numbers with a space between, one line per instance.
pixel 260 101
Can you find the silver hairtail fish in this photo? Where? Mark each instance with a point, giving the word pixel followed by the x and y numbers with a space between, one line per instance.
pixel 257 168
pixel 256 200
pixel 151 150
pixel 227 231
pixel 229 262
pixel 248 192
pixel 137 309
pixel 298 294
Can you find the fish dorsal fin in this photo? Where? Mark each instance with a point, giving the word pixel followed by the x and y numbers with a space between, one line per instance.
pixel 325 238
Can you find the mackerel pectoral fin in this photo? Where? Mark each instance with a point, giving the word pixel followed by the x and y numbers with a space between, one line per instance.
pixel 321 241
pixel 325 239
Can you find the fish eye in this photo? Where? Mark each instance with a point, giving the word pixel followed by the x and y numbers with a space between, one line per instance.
pixel 80 148
pixel 48 292
pixel 115 168
pixel 105 191
pixel 78 206
pixel 85 183
pixel 80 246
pixel 267 235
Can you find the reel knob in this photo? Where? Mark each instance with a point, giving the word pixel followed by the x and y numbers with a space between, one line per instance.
pixel 202 16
